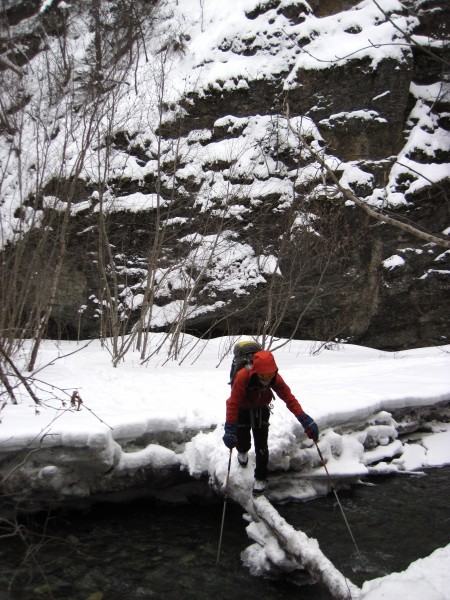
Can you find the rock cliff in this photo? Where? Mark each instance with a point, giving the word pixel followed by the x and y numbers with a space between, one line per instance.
pixel 209 212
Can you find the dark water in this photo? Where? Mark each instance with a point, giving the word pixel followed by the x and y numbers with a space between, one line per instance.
pixel 394 521
pixel 141 550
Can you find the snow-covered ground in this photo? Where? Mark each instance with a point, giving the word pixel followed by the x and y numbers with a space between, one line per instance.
pixel 425 579
pixel 170 414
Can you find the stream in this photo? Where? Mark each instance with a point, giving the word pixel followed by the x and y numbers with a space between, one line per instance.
pixel 142 550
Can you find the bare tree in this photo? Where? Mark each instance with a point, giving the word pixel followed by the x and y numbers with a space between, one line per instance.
pixel 63 116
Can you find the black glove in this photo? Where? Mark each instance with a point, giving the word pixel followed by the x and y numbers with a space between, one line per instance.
pixel 309 425
pixel 230 437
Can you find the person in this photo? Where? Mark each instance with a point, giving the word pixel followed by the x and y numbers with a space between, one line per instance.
pixel 248 410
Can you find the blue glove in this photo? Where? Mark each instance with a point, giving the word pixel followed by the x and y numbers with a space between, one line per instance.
pixel 309 425
pixel 230 437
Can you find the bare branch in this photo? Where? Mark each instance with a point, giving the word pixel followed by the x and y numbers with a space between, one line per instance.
pixel 19 375
pixel 410 38
pixel 376 214
pixel 4 379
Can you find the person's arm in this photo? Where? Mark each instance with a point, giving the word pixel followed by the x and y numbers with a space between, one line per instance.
pixel 238 391
pixel 282 390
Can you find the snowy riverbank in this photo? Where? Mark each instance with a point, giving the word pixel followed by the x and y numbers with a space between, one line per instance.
pixel 169 416
pixel 151 429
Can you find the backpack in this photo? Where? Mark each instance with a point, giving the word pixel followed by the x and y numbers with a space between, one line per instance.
pixel 243 357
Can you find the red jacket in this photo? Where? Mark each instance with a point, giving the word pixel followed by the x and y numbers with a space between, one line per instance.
pixel 248 392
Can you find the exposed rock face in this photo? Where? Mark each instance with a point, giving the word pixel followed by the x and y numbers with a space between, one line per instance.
pixel 306 263
pixel 344 93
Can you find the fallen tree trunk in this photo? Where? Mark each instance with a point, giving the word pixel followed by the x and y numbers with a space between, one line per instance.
pixel 304 550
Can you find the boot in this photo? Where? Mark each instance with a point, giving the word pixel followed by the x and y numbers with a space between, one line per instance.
pixel 259 487
pixel 243 458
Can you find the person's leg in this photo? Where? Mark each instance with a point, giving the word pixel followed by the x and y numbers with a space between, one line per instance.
pixel 243 431
pixel 260 429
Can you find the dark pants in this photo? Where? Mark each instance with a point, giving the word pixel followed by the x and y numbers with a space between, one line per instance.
pixel 256 420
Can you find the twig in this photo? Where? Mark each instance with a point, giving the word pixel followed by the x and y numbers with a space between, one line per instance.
pixel 4 379
pixel 376 214
pixel 76 400
pixel 19 375
pixel 52 362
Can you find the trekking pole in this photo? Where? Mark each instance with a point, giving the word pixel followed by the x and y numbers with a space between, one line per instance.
pixel 224 506
pixel 338 501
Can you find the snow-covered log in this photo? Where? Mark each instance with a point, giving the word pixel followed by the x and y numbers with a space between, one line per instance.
pixel 305 550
